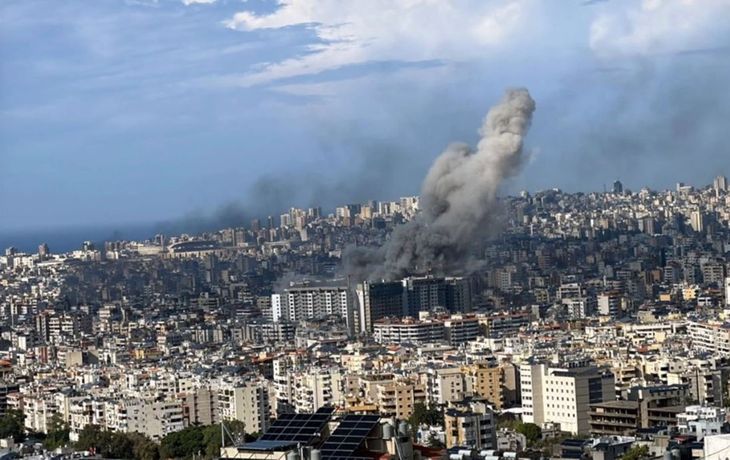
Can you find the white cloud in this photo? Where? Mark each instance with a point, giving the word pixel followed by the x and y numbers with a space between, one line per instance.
pixel 660 26
pixel 352 32
pixel 197 2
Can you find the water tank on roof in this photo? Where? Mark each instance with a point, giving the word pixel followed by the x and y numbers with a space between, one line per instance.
pixel 316 454
pixel 388 430
pixel 293 455
pixel 402 429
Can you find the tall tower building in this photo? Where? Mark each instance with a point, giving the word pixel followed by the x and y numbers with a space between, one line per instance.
pixel 379 300
pixel 618 187
pixel 697 220
pixel 305 302
pixel 727 291
pixel 720 184
pixel 43 251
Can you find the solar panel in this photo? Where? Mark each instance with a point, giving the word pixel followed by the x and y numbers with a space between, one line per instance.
pixel 301 428
pixel 348 436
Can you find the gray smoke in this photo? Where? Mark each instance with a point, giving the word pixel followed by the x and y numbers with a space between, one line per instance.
pixel 458 199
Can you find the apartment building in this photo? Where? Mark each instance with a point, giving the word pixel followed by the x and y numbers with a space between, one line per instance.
pixel 470 428
pixel 563 394
pixel 247 402
pixel 306 302
pixel 408 330
pixel 710 337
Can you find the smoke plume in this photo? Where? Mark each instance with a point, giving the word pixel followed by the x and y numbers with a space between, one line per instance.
pixel 458 199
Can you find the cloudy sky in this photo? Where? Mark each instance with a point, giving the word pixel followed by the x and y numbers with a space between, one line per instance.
pixel 116 111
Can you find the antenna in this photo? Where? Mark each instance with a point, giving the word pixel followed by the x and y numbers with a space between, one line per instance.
pixel 224 432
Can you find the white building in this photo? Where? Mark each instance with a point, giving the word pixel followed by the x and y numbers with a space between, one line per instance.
pixel 701 421
pixel 563 394
pixel 299 303
pixel 408 330
pixel 710 337
pixel 154 418
pixel 247 402
pixel 609 305
pixel 717 447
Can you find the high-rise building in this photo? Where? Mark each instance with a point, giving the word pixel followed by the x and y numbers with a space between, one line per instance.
pixel 618 187
pixel 285 220
pixel 379 300
pixel 305 302
pixel 43 251
pixel 424 293
pixel 697 221
pixel 247 402
pixel 487 381
pixel 727 291
pixel 609 304
pixel 563 394
pixel 720 184
pixel 428 292
pixel 317 388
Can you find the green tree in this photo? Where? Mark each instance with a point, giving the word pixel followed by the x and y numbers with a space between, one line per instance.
pixel 58 432
pixel 184 443
pixel 212 436
pixel 91 438
pixel 106 443
pixel 636 453
pixel 507 420
pixel 12 425
pixel 423 415
pixel 143 448
pixel 532 432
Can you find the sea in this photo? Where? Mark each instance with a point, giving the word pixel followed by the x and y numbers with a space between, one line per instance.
pixel 67 239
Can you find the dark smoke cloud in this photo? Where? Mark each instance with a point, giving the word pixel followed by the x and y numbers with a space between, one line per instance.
pixel 458 199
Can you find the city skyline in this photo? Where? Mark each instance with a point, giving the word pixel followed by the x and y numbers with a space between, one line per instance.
pixel 364 229
pixel 69 238
pixel 147 111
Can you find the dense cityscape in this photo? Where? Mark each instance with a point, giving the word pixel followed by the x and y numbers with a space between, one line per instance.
pixel 364 230
pixel 592 325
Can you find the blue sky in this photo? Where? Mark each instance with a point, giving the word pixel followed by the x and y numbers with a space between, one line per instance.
pixel 116 111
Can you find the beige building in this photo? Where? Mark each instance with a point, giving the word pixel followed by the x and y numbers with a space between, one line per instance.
pixel 472 426
pixel 713 338
pixel 398 398
pixel 315 388
pixel 200 406
pixel 151 417
pixel 247 402
pixel 390 396
pixel 563 394
pixel 444 385
pixel 487 382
